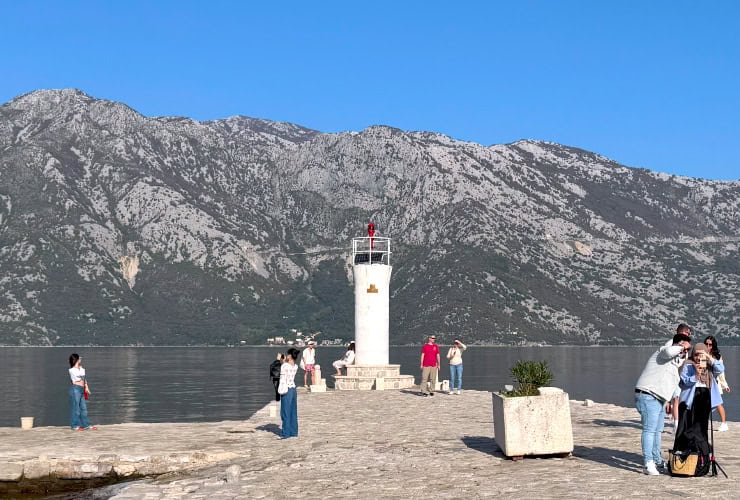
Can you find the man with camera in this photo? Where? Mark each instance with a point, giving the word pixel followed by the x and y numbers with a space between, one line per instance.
pixel 654 389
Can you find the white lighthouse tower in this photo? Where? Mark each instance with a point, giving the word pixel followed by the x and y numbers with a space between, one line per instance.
pixel 371 263
pixel 371 259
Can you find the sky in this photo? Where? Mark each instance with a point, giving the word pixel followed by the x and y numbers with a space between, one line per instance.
pixel 651 84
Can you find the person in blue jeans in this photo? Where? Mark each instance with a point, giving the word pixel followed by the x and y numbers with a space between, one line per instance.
pixel 77 395
pixel 454 355
pixel 654 389
pixel 288 395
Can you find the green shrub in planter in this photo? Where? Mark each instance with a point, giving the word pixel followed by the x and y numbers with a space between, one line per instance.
pixel 530 375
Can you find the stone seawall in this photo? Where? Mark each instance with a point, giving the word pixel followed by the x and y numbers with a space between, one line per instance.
pixel 46 460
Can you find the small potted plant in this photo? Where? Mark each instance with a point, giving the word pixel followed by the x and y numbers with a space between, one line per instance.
pixel 532 419
pixel 530 375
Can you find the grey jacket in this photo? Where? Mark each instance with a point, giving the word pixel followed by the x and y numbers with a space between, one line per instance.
pixel 661 374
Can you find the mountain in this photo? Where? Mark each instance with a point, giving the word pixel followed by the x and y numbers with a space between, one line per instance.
pixel 116 228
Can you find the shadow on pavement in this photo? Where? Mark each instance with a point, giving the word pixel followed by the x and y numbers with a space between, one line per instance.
pixel 635 424
pixel 619 459
pixel 483 444
pixel 274 428
pixel 412 392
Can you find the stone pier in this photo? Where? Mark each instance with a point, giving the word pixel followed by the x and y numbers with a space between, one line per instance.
pixel 354 444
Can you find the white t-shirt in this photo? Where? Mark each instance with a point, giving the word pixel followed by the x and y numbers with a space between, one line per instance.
pixel 349 357
pixel 287 374
pixel 308 356
pixel 455 354
pixel 77 374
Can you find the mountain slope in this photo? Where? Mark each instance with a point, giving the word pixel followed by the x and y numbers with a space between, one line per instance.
pixel 116 228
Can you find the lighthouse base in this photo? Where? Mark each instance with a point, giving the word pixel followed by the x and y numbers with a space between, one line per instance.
pixel 372 377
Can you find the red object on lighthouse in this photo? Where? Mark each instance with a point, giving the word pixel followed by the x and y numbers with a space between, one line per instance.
pixel 371 233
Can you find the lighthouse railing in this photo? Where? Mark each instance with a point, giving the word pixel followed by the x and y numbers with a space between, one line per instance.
pixel 371 250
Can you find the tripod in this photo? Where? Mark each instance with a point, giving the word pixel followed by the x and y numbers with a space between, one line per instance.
pixel 715 465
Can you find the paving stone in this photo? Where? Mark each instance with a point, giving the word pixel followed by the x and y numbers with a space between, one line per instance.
pixel 11 472
pixel 36 469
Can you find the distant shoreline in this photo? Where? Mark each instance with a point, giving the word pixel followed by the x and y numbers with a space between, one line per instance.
pixel 279 346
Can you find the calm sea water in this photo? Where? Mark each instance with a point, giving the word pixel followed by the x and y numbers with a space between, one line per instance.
pixel 190 384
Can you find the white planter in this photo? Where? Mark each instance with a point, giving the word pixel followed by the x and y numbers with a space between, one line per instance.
pixel 26 423
pixel 533 425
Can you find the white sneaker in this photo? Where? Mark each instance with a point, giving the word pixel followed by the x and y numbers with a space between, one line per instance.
pixel 723 427
pixel 451 392
pixel 459 392
pixel 650 469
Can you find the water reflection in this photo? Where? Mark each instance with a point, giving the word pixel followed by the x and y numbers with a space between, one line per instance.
pixel 183 384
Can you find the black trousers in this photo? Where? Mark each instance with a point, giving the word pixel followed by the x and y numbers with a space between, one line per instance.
pixel 276 383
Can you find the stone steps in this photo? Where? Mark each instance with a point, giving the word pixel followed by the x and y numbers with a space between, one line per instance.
pixel 345 383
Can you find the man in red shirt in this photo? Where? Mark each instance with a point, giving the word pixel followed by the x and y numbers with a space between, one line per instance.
pixel 429 366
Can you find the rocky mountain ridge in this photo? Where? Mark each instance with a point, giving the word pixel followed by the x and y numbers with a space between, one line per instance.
pixel 116 228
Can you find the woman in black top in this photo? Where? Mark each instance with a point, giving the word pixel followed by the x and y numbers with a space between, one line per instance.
pixel 275 373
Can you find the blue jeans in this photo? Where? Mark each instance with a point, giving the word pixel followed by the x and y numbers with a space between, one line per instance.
pixel 652 417
pixel 289 413
pixel 456 374
pixel 77 408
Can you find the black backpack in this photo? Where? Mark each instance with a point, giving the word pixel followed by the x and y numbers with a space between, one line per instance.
pixel 275 368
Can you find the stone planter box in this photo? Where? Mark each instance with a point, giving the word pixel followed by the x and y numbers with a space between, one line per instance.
pixel 533 425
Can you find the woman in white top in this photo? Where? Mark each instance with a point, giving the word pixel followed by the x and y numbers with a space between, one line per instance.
pixel 711 342
pixel 347 359
pixel 78 392
pixel 456 365
pixel 288 396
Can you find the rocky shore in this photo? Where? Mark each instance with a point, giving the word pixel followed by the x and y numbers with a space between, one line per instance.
pixel 358 444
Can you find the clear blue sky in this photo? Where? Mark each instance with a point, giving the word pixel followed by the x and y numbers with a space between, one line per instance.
pixel 652 84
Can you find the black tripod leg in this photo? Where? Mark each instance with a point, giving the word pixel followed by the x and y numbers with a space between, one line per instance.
pixel 720 468
pixel 711 444
pixel 715 465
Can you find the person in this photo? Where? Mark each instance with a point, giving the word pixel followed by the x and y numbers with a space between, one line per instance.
pixel 456 365
pixel 699 394
pixel 711 344
pixel 347 359
pixel 308 360
pixel 78 392
pixel 288 395
pixel 275 373
pixel 429 362
pixel 371 233
pixel 654 389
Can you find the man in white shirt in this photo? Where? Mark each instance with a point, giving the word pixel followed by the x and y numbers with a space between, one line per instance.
pixel 308 360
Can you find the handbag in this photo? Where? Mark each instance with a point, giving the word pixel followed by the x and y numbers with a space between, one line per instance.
pixel 722 381
pixel 282 388
pixel 683 463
